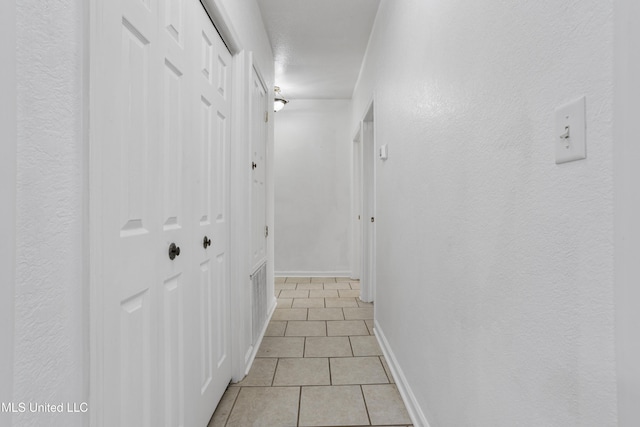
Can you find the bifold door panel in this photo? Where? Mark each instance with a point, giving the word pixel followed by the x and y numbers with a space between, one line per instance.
pixel 160 97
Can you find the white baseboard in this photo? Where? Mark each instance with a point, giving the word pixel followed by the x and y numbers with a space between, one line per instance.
pixel 254 350
pixel 415 412
pixel 312 274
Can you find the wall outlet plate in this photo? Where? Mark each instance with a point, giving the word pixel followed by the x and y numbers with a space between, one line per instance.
pixel 570 131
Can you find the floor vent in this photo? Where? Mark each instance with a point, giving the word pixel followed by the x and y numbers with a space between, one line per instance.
pixel 259 301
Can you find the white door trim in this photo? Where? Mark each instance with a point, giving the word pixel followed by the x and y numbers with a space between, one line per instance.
pixel 356 203
pixel 7 200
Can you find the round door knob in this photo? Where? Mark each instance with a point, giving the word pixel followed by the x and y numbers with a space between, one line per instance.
pixel 206 242
pixel 174 251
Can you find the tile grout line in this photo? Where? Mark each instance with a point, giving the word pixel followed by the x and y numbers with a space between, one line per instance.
pixel 366 407
pixel 235 400
pixel 273 378
pixel 299 406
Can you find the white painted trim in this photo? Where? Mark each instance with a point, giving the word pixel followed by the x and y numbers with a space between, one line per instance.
pixel 239 243
pixel 8 169
pixel 312 274
pixel 413 407
pixel 221 20
pixel 355 224
pixel 626 175
pixel 251 355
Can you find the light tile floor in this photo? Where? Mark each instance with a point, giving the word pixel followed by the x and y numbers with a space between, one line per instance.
pixel 319 364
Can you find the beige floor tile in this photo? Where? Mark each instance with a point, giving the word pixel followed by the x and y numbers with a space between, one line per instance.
pixel 261 373
pixel 331 293
pixel 337 286
pixel 365 346
pixel 386 369
pixel 220 416
pixel 276 328
pixel 326 314
pixel 280 286
pixel 332 406
pixel 279 279
pixel 276 293
pixel 346 328
pixel 308 302
pixel 363 304
pixel 340 302
pixel 265 407
pixel 363 313
pixel 355 285
pixel 343 279
pixel 349 293
pixel 370 325
pixel 385 404
pixel 281 347
pixel 357 370
pixel 301 328
pixel 288 293
pixel 298 280
pixel 308 371
pixel 327 347
pixel 285 302
pixel 309 286
pixel 323 280
pixel 290 314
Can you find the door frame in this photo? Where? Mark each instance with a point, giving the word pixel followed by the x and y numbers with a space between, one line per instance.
pixel 237 207
pixel 8 169
pixel 356 204
pixel 368 203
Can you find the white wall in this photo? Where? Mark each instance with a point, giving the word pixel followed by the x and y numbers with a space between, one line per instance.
pixel 50 345
pixel 627 209
pixel 495 265
pixel 312 188
pixel 7 199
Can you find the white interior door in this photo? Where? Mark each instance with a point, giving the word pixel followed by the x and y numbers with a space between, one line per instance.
pixel 160 112
pixel 259 117
pixel 367 292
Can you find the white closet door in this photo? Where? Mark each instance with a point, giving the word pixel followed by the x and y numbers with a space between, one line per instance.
pixel 160 120
pixel 212 126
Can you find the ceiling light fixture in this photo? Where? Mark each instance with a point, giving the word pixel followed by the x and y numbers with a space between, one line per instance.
pixel 278 100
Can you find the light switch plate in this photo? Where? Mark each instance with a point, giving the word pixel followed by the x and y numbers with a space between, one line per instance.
pixel 383 152
pixel 570 131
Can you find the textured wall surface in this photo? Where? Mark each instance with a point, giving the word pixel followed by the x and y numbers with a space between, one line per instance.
pixel 495 265
pixel 312 184
pixel 49 348
pixel 7 199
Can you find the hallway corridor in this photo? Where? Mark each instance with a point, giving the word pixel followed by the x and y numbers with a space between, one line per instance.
pixel 319 364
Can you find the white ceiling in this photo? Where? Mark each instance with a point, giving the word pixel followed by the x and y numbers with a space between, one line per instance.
pixel 318 44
